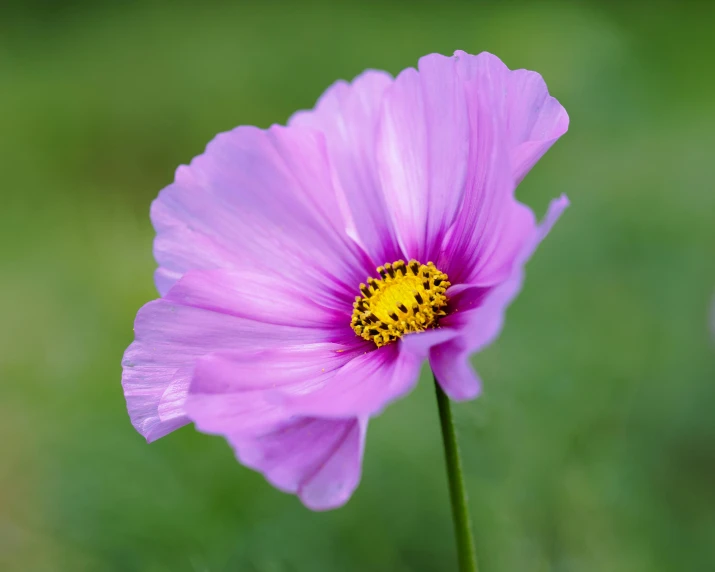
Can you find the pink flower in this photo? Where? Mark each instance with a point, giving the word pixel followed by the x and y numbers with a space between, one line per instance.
pixel 307 271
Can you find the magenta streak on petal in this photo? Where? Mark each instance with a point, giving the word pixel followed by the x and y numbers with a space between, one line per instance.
pixel 422 147
pixel 488 197
pixel 478 315
pixel 513 122
pixel 363 386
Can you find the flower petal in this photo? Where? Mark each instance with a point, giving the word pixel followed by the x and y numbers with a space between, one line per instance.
pixel 322 380
pixel 320 460
pixel 478 315
pixel 236 391
pixel 241 396
pixel 207 311
pixel 513 122
pixel 503 231
pixel 261 297
pixel 535 120
pixel 168 338
pixel 347 114
pixel 363 386
pixel 477 235
pixel 422 151
pixel 258 200
pixel 450 364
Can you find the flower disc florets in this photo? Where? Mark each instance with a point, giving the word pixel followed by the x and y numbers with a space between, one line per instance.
pixel 406 298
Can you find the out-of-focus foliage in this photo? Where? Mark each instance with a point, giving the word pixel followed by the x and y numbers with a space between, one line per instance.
pixel 592 447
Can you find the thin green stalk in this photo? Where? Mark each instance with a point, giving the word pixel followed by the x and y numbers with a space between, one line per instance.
pixel 466 554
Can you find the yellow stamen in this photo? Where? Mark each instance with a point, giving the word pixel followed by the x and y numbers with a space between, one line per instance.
pixel 406 298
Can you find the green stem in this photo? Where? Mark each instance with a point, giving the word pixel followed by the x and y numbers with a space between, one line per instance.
pixel 466 554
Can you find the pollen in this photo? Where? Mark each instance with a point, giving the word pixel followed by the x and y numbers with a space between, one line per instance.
pixel 406 298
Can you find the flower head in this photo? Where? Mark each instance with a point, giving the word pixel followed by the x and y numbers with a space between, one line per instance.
pixel 307 271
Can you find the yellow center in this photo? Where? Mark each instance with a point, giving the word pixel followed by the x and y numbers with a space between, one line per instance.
pixel 406 298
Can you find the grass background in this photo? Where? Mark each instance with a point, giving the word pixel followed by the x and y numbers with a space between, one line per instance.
pixel 592 448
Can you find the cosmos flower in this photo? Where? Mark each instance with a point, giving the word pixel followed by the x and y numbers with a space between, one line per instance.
pixel 306 272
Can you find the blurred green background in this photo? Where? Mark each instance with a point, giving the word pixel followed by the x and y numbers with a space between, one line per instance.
pixel 593 447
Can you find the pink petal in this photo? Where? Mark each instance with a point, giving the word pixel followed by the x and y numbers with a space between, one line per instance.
pixel 206 312
pixel 450 365
pixel 513 122
pixel 261 201
pixel 168 338
pixel 478 315
pixel 535 120
pixel 347 114
pixel 478 242
pixel 422 152
pixel 323 380
pixel 261 297
pixel 320 460
pixel 364 386
pixel 237 391
pixel 171 402
pixel 444 149
pixel 242 395
pixel 419 343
